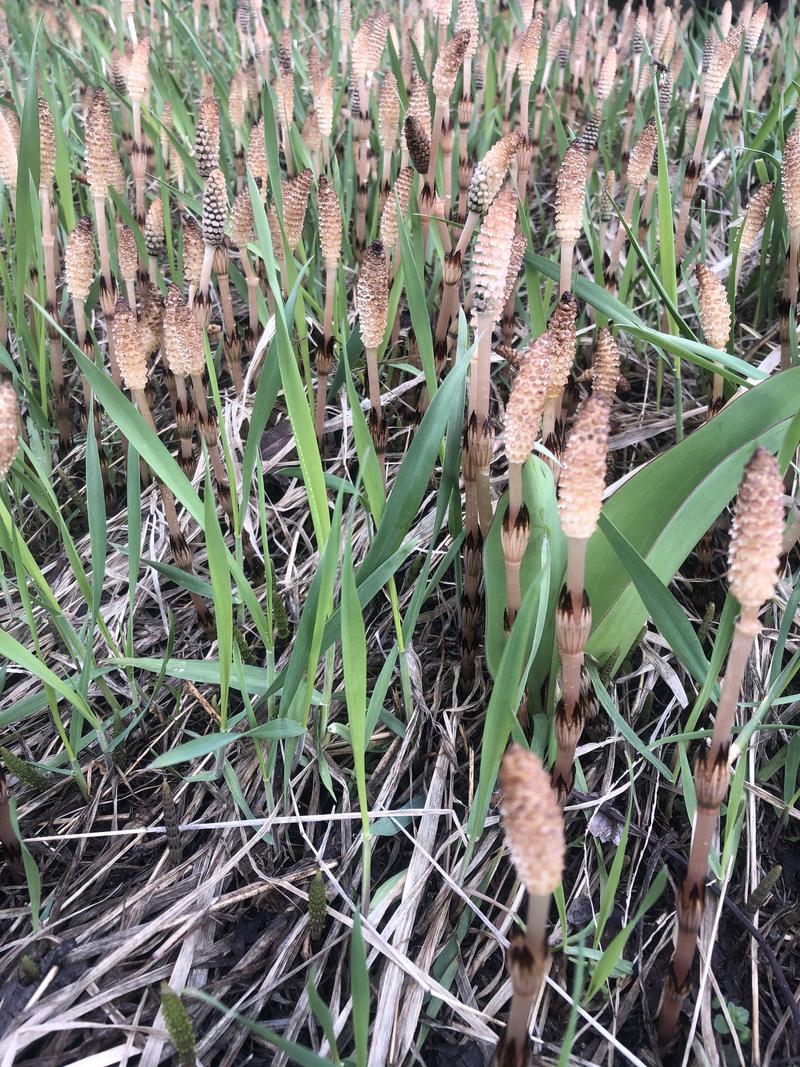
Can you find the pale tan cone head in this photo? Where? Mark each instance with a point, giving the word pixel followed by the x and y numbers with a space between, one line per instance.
pixel 215 209
pixel 169 330
pixel 256 155
pixel 533 821
pixel 323 101
pixel 512 56
pixel 722 60
pixel 191 354
pixel 193 251
pixel 529 49
pixel 138 75
pixel 237 98
pixel 312 137
pixel 583 475
pixel 490 173
pixel 359 52
pixel 715 312
pixel 9 427
pixel 642 155
pixel 79 259
pixel 242 219
pixel 8 153
pixel 526 402
pixel 492 255
pixel 570 192
pixel 607 75
pixel 151 325
pixel 310 132
pixel 442 11
pixel 389 112
pixel 757 533
pixel 762 84
pixel 518 246
pixel 755 217
pixel 419 105
pixel 128 345
pixel 467 19
pixel 206 137
pixel 295 200
pixel 316 71
pixel 401 190
pixel 330 223
pixel 372 296
pixel 755 28
pixel 284 97
pixel 100 152
pixel 605 364
pixel 376 41
pixel 790 177
pixel 47 143
pixel 562 328
pixel 154 228
pixel 127 253
pixel 448 65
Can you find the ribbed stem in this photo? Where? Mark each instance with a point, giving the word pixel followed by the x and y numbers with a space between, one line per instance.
pixel 676 982
pixel 180 549
pixel 620 235
pixel 567 253
pixel 524 104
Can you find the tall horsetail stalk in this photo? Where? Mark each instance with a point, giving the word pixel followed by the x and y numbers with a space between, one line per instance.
pixel 445 73
pixel 100 154
pixel 580 493
pixel 242 233
pixel 372 304
pixel 719 66
pixel 330 239
pixel 754 554
pixel 138 83
pixel 570 192
pixel 752 35
pixel 79 276
pixel 522 422
pixel 534 827
pixel 790 190
pixel 753 223
pixel 47 166
pixel 133 368
pixel 639 165
pixel 528 63
pixel 490 270
pixel 715 318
